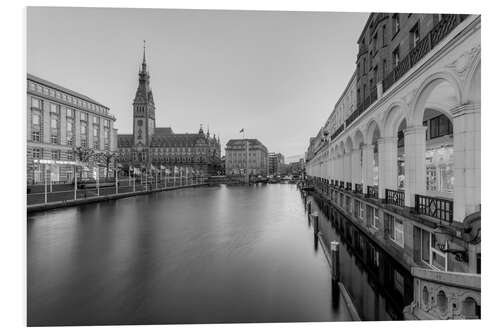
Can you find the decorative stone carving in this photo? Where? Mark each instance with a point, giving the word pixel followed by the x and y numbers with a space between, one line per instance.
pixel 463 63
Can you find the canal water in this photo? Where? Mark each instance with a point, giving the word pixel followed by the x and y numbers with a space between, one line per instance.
pixel 205 255
pixel 217 254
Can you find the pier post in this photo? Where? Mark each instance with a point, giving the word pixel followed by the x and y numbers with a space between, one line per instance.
pixel 334 254
pixel 315 218
pixel 309 204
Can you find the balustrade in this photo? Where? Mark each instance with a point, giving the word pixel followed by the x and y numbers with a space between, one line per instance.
pixel 439 208
pixel 372 192
pixel 395 197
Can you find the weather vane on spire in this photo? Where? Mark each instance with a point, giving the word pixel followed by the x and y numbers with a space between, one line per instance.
pixel 144 51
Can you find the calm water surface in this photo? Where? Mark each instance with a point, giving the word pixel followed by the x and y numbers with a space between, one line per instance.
pixel 208 255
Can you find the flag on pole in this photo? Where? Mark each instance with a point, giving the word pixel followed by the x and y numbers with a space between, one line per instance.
pixel 242 130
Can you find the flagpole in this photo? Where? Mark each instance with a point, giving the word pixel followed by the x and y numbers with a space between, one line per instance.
pixel 116 180
pixel 133 184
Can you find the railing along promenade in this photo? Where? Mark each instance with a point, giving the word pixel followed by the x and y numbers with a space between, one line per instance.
pixel 49 195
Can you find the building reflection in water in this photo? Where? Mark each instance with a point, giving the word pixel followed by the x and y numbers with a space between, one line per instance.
pixel 379 286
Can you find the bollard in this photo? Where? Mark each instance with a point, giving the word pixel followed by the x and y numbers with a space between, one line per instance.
pixel 334 254
pixel 315 222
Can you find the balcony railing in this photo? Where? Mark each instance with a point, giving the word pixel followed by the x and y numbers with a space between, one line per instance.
pixel 441 30
pixel 351 117
pixel 337 132
pixel 372 192
pixel 441 209
pixel 336 183
pixel 348 186
pixel 341 184
pixel 358 188
pixel 395 197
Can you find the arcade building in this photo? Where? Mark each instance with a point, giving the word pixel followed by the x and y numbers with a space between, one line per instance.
pixel 151 146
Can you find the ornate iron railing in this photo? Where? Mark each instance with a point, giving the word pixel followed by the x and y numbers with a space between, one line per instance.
pixel 358 188
pixel 441 209
pixel 348 186
pixel 441 30
pixel 336 183
pixel 395 197
pixel 341 184
pixel 337 132
pixel 372 192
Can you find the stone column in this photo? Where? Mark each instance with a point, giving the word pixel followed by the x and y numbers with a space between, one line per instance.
pixel 414 138
pixel 356 167
pixel 467 160
pixel 348 167
pixel 387 170
pixel 341 167
pixel 367 167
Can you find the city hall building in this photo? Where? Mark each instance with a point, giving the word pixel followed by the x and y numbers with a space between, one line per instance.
pixel 60 120
pixel 149 145
pixel 403 162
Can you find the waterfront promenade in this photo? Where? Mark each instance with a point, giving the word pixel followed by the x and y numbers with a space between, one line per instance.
pixel 42 197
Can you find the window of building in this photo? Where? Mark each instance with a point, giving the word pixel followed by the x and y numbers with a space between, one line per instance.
pixel 415 35
pixel 395 229
pixel 439 126
pixel 375 40
pixel 54 123
pixel 55 154
pixel 70 155
pixel 395 57
pixel 54 108
pixel 383 35
pixel 96 120
pixel 36 103
pixel 358 209
pixel 35 119
pixel 37 153
pixel 395 23
pixel 53 139
pixel 348 204
pixel 438 258
pixel 84 116
pixel 431 178
pixel 70 113
pixel 399 282
pixel 35 135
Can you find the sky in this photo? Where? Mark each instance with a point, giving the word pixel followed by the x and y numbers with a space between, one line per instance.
pixel 276 74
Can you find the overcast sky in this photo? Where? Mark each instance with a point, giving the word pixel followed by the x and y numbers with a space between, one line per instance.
pixel 276 74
